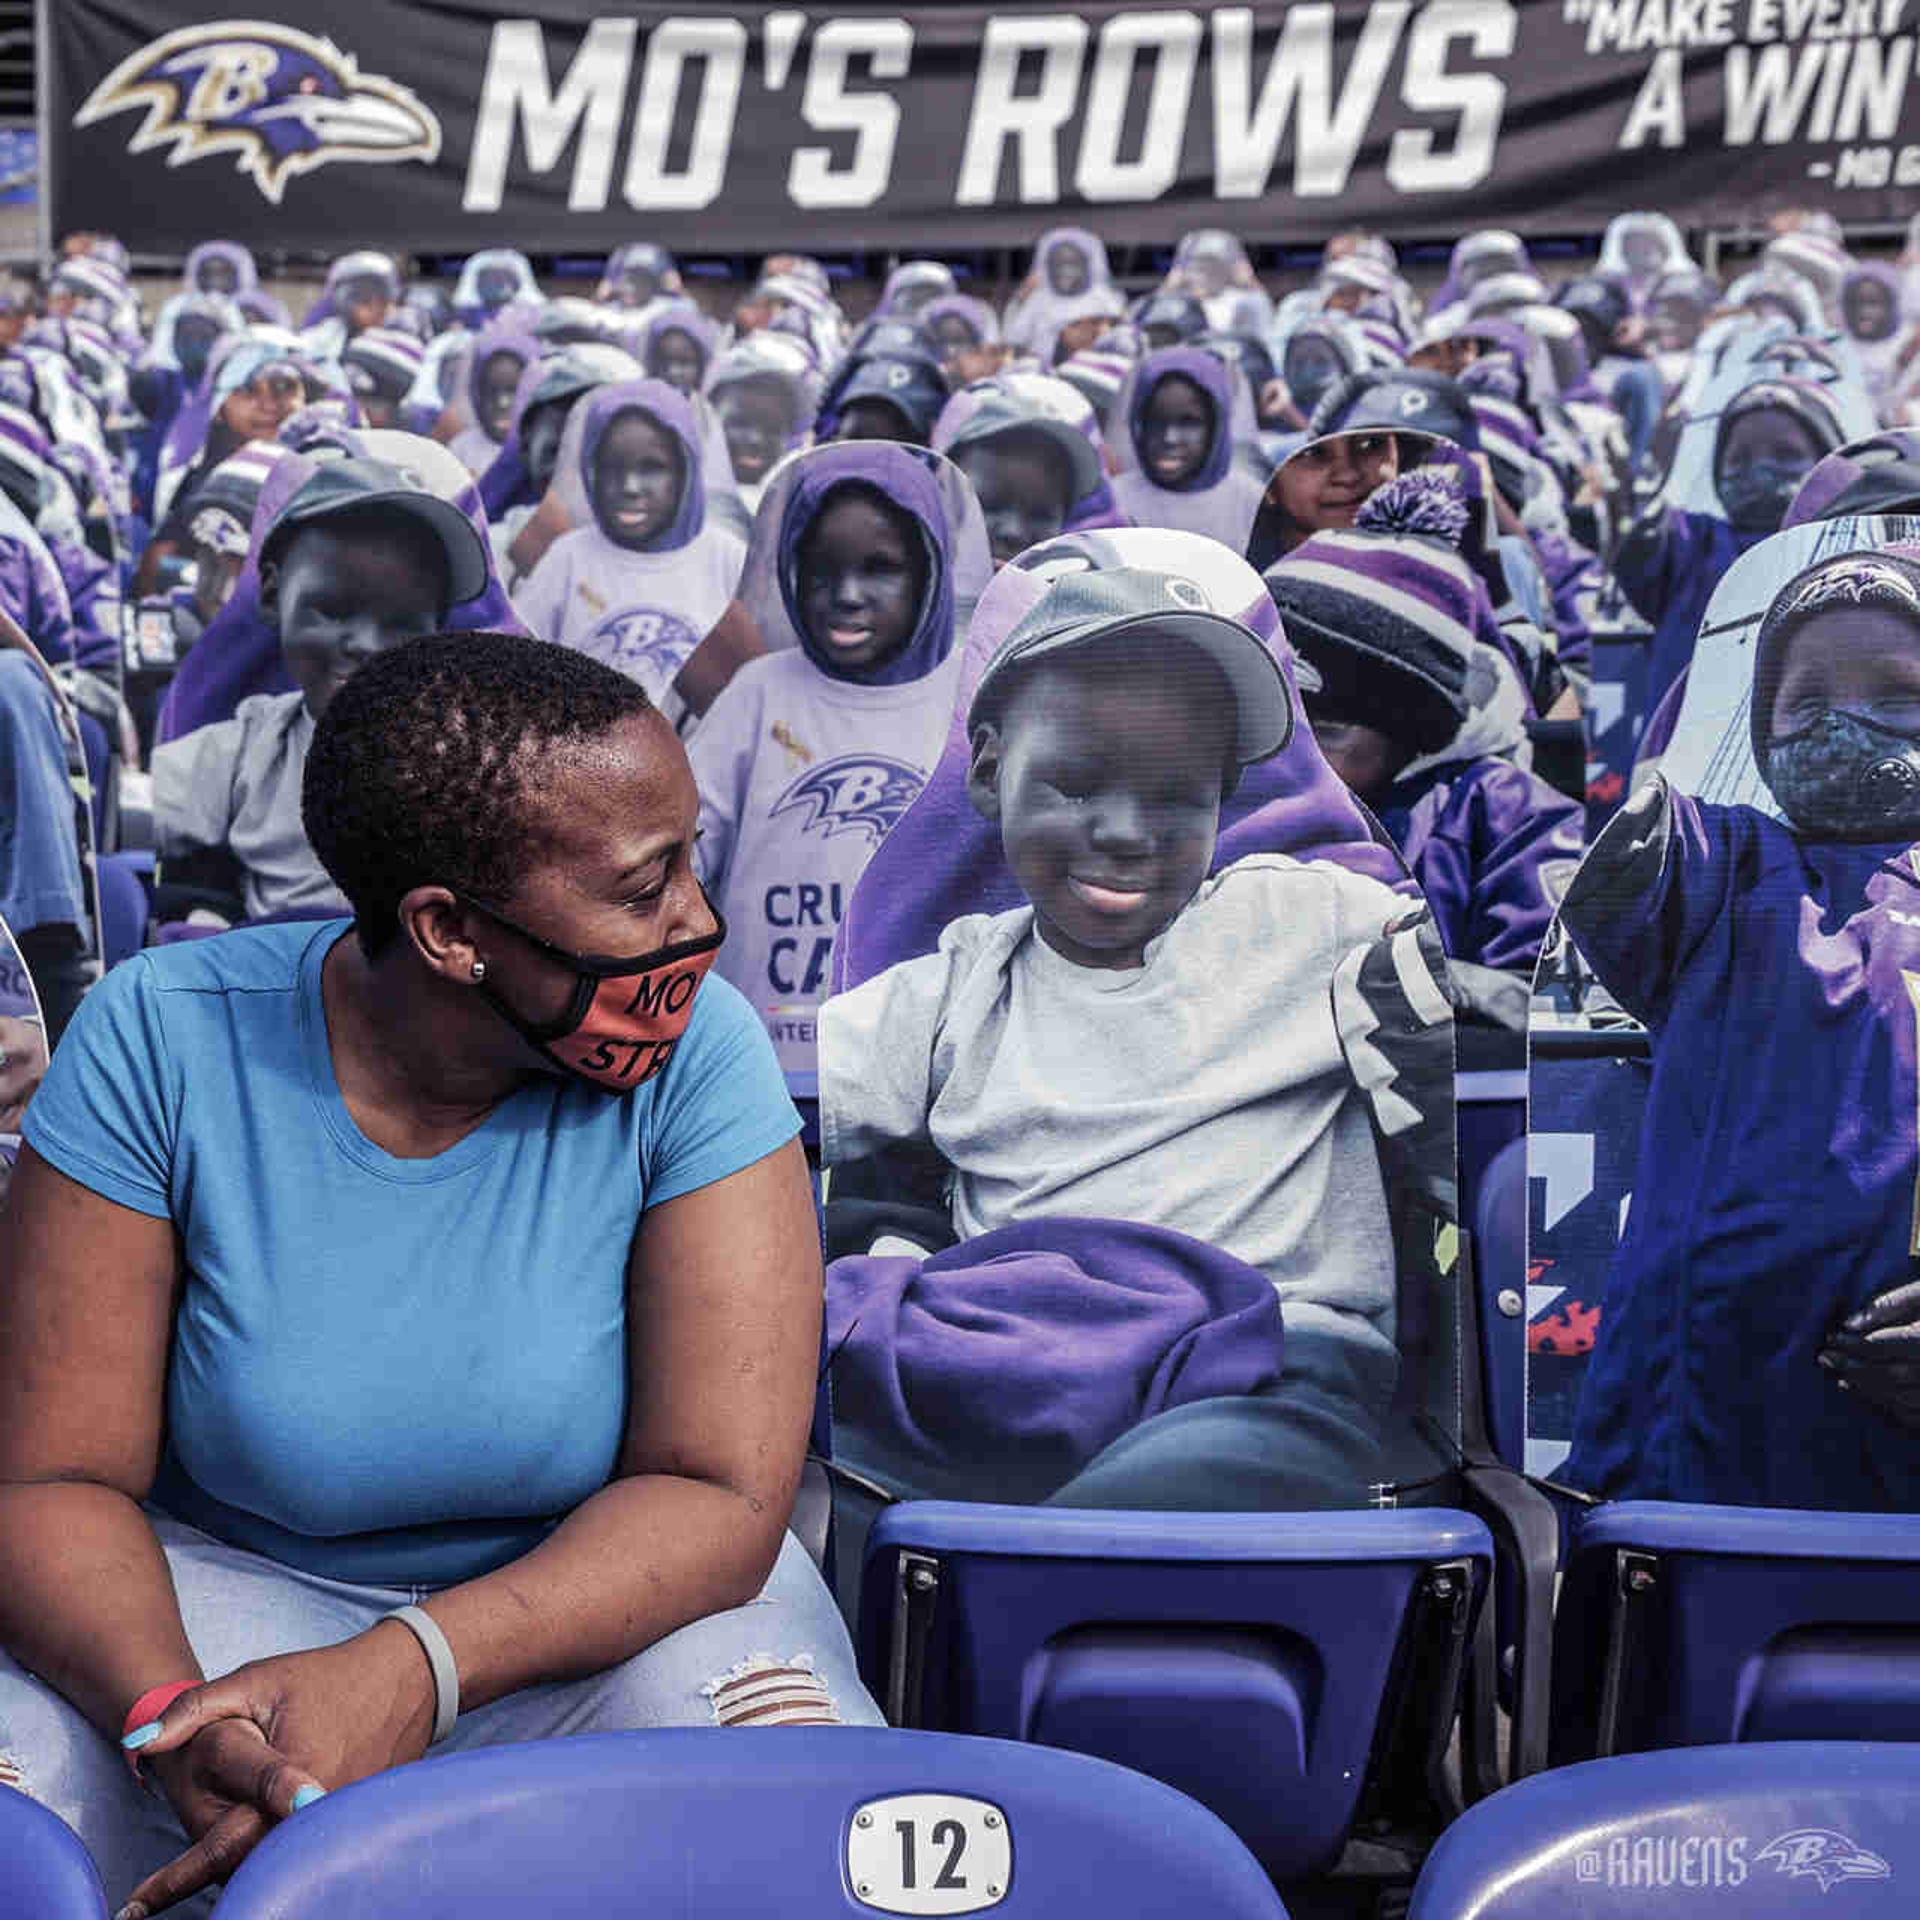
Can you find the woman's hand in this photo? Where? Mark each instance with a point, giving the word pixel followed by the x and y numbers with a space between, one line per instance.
pixel 1875 1353
pixel 228 1785
pixel 240 1753
pixel 23 1050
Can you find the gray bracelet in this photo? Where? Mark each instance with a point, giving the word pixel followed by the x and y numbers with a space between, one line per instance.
pixel 446 1676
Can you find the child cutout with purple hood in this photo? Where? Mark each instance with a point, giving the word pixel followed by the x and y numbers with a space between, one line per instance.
pixel 867 557
pixel 642 581
pixel 1759 1339
pixel 1176 447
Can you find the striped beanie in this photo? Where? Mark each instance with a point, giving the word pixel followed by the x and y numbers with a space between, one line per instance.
pixel 1509 440
pixel 23 442
pixel 1386 345
pixel 383 359
pixel 1806 401
pixel 223 503
pixel 1098 375
pixel 1390 614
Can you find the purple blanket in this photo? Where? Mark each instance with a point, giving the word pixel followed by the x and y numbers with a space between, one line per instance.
pixel 1000 1367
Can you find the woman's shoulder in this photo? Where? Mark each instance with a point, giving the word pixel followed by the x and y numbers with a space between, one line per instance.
pixel 725 1038
pixel 246 960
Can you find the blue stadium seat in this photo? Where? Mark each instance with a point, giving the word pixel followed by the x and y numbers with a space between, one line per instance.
pixel 1276 1667
pixel 1616 713
pixel 1500 1276
pixel 1587 1095
pixel 713 1824
pixel 45 1872
pixel 124 907
pixel 1746 1833
pixel 1489 1109
pixel 1685 1626
pixel 1512 1647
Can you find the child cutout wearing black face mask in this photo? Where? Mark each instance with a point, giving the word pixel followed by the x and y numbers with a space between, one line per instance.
pixel 1764 454
pixel 1836 702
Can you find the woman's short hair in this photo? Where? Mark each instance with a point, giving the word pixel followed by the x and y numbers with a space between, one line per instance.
pixel 422 766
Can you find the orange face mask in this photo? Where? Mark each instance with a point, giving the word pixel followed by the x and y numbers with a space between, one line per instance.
pixel 625 1017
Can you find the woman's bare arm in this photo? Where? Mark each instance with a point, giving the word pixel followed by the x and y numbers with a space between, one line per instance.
pixel 724 1305
pixel 87 1297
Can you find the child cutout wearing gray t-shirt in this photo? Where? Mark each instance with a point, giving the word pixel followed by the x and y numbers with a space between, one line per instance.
pixel 1140 1042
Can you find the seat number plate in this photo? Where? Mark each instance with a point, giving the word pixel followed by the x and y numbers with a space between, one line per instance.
pixel 929 1853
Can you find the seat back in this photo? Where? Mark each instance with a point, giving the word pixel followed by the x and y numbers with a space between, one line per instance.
pixel 1276 1667
pixel 1616 714
pixel 44 1870
pixel 1763 1832
pixel 1684 1626
pixel 709 1824
pixel 1587 1091
pixel 124 907
pixel 1500 1277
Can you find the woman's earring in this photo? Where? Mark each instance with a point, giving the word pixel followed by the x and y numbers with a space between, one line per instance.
pixel 479 969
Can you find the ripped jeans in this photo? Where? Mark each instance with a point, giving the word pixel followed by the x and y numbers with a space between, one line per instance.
pixel 782 1658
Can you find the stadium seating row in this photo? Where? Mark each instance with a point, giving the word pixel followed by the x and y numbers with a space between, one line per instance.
pixel 827 1822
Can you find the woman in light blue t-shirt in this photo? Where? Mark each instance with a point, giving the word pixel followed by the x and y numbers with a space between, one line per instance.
pixel 460 1259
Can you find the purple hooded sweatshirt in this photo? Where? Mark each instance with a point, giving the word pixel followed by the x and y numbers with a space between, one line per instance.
pixel 641 611
pixel 977 315
pixel 246 276
pixel 473 446
pixel 1493 848
pixel 803 763
pixel 676 316
pixel 1035 322
pixel 1222 497
pixel 903 479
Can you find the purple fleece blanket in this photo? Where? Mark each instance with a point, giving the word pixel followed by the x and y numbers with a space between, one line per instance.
pixel 1002 1366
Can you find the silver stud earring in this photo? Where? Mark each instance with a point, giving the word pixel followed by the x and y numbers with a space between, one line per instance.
pixel 479 969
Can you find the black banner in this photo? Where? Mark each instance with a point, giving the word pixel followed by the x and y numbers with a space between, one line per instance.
pixel 449 125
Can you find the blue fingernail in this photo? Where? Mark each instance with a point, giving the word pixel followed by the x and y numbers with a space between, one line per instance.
pixel 307 1796
pixel 141 1736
